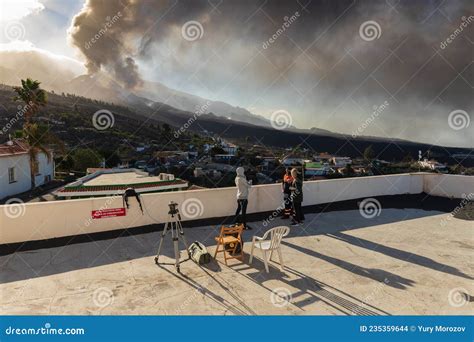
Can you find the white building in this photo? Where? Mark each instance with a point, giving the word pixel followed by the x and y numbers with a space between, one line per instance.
pixel 107 182
pixel 341 161
pixel 291 160
pixel 230 148
pixel 433 165
pixel 15 168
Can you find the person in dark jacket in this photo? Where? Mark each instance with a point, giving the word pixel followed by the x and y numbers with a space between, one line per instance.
pixel 285 185
pixel 297 198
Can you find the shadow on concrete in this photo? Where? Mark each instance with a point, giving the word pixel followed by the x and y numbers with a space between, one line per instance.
pixel 399 254
pixel 309 290
pixel 237 308
pixel 390 279
pixel 85 251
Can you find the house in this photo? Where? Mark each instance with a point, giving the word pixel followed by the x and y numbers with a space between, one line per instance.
pixel 108 182
pixel 341 161
pixel 224 158
pixel 291 160
pixel 433 165
pixel 313 169
pixel 230 149
pixel 15 168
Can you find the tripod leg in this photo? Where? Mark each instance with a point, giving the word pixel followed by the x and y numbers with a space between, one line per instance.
pixel 175 235
pixel 183 238
pixel 165 229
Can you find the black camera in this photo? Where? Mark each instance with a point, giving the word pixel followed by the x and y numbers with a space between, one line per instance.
pixel 173 208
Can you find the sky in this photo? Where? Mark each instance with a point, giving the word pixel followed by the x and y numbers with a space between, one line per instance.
pixel 397 69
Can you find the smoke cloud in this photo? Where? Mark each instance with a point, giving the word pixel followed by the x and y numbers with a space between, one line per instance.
pixel 316 60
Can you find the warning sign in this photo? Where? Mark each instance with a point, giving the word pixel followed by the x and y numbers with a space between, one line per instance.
pixel 112 212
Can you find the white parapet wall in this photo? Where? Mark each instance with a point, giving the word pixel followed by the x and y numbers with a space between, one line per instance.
pixel 45 220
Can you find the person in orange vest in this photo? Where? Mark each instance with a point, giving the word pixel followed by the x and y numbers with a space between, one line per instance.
pixel 285 185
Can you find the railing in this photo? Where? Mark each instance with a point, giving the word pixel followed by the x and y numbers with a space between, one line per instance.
pixel 44 220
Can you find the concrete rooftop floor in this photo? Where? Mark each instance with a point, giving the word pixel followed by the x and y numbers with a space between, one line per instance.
pixel 405 261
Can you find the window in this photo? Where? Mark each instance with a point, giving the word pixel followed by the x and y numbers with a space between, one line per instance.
pixel 11 175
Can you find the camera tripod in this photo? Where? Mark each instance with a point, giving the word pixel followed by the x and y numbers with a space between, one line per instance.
pixel 174 226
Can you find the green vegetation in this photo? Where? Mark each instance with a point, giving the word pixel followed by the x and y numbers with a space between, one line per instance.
pixel 36 135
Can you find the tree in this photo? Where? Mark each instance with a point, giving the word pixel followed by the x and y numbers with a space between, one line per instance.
pixel 112 159
pixel 408 159
pixel 348 170
pixel 32 95
pixel 216 150
pixel 36 136
pixel 84 158
pixel 369 153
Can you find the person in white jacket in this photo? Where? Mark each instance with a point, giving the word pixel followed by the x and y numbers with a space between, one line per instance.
pixel 243 187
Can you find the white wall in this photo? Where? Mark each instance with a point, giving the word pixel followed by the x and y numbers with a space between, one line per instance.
pixel 454 186
pixel 22 172
pixel 45 168
pixel 71 217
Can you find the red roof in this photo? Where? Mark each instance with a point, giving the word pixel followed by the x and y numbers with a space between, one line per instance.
pixel 14 147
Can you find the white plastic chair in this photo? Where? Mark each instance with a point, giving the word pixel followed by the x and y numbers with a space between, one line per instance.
pixel 271 244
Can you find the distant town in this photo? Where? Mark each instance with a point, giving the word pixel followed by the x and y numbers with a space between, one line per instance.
pixel 63 146
pixel 208 166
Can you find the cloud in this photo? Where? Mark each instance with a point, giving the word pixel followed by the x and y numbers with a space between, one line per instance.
pixel 18 9
pixel 17 48
pixel 319 67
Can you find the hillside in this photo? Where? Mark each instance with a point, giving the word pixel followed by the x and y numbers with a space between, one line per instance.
pixel 70 117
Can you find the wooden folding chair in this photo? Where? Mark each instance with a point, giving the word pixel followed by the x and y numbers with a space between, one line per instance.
pixel 230 236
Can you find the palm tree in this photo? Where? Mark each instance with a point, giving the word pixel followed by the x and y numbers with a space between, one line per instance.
pixel 36 136
pixel 33 96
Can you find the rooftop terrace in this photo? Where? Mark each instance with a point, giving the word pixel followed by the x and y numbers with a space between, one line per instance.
pixel 414 256
pixel 402 262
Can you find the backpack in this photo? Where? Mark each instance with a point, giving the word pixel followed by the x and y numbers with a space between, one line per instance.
pixel 198 253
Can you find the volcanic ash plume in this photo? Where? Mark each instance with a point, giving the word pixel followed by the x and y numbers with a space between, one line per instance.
pixel 111 33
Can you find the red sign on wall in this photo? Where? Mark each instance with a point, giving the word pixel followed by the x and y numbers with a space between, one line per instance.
pixel 112 212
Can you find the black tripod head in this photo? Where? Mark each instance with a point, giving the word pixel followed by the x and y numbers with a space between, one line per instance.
pixel 173 208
